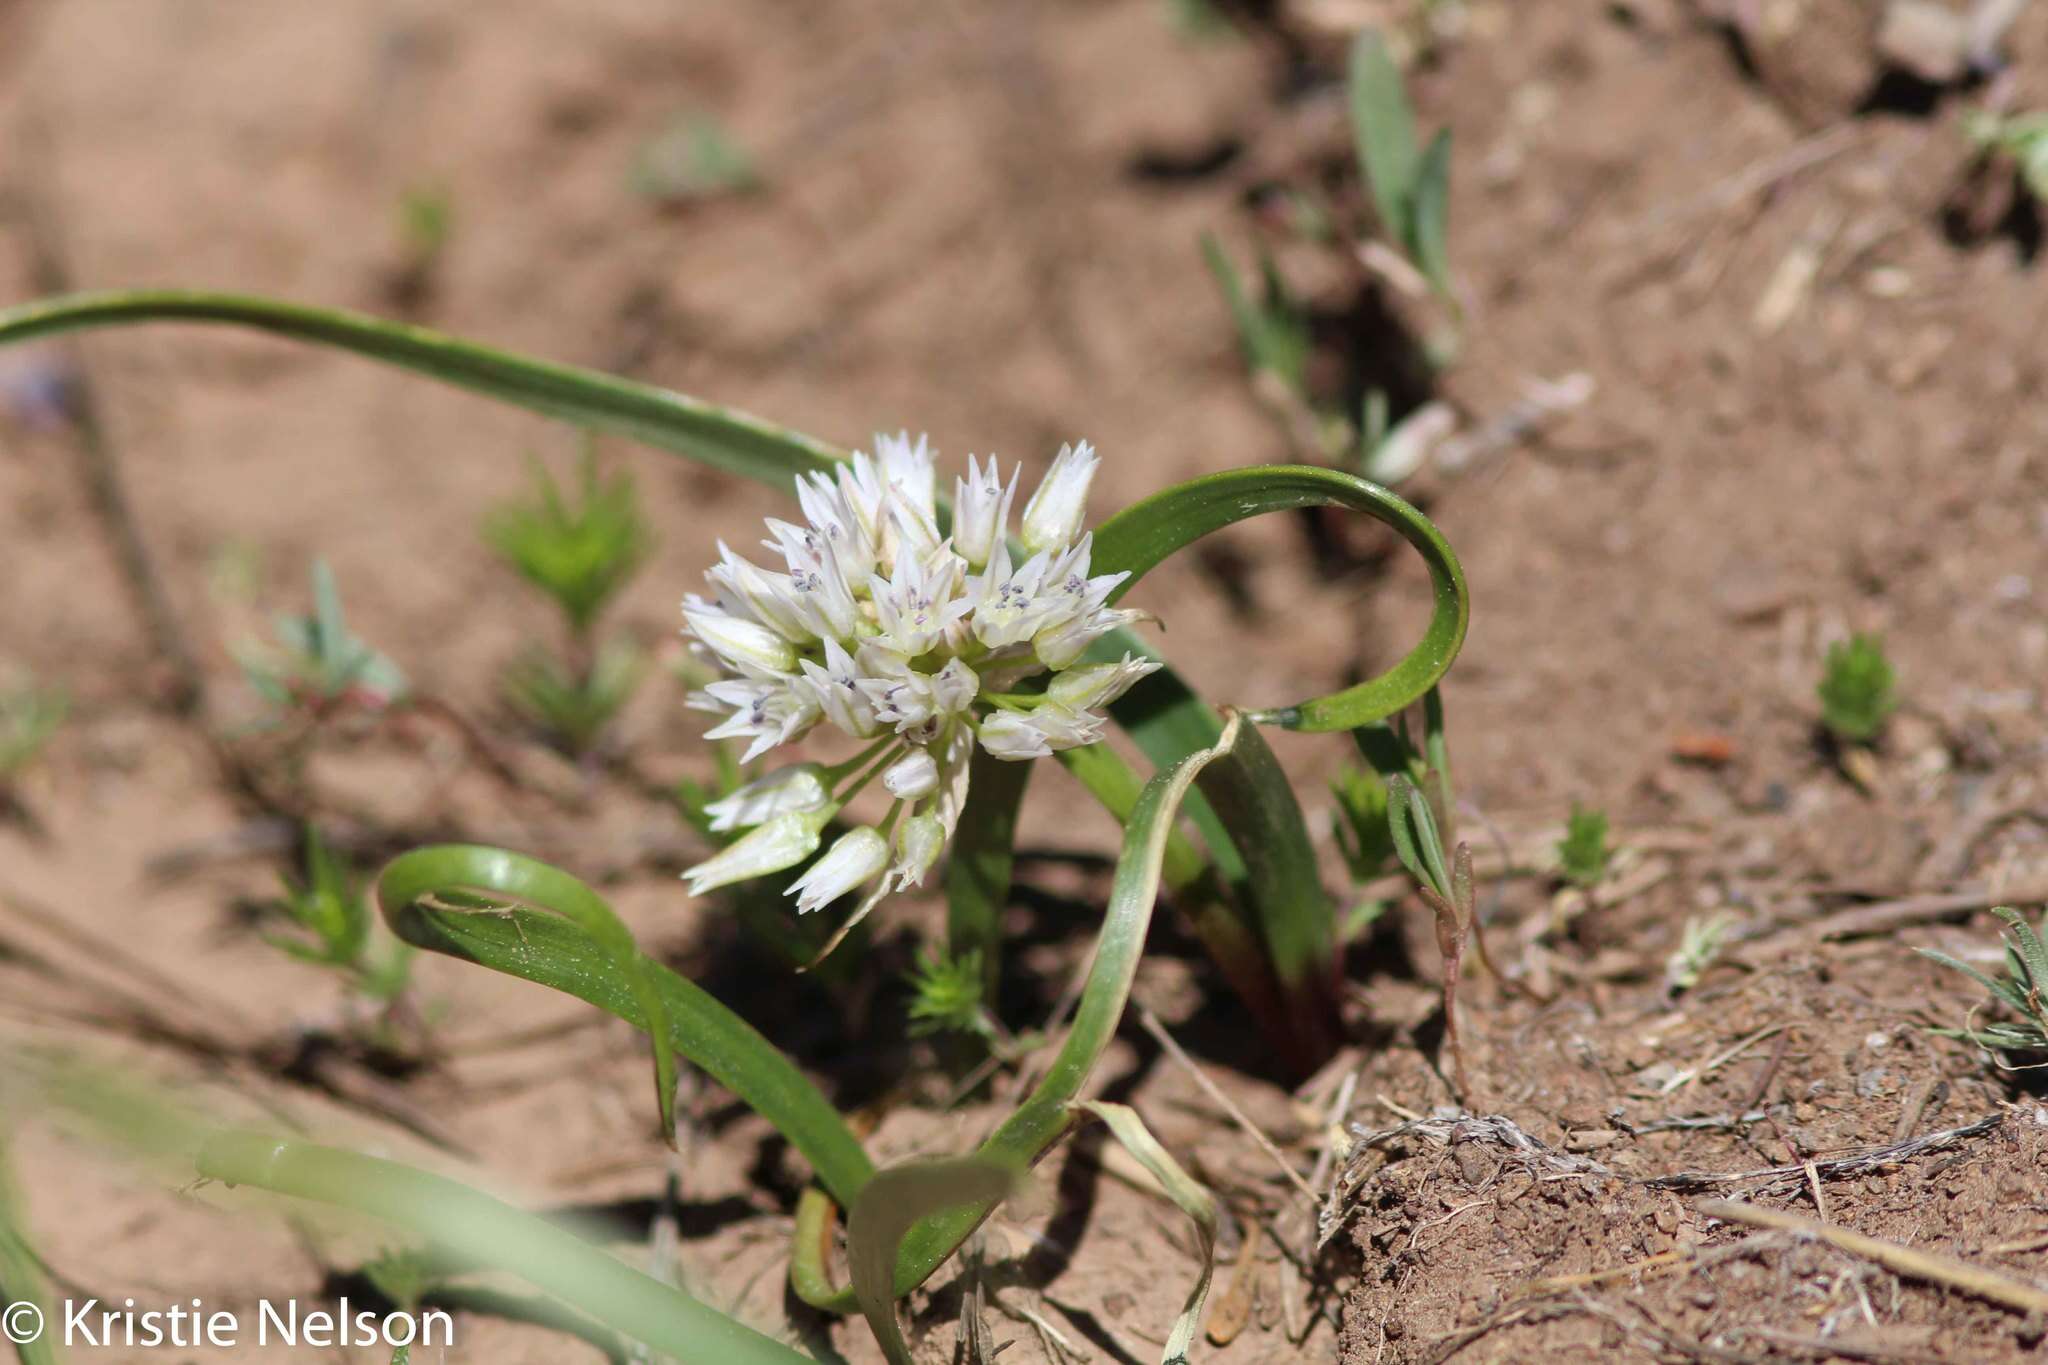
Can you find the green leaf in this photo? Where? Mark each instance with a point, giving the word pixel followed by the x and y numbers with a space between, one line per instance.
pixel 895 1201
pixel 1429 228
pixel 22 1287
pixel 493 1234
pixel 1383 126
pixel 1044 1115
pixel 720 437
pixel 1295 918
pixel 1138 538
pixel 580 948
pixel 978 867
pixel 1188 1194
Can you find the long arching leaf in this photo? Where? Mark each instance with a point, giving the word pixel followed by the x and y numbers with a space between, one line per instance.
pixel 1044 1116
pixel 428 898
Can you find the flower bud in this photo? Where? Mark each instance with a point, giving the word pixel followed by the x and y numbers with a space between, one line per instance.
pixel 917 849
pixel 797 788
pixel 855 857
pixel 913 776
pixel 780 843
pixel 981 512
pixel 1053 516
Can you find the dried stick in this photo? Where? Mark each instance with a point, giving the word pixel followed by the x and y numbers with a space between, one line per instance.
pixel 1151 1024
pixel 1990 1285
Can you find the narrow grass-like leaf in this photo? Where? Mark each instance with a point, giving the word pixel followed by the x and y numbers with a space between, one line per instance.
pixel 423 896
pixel 1138 538
pixel 491 1233
pixel 1044 1115
pixel 1429 228
pixel 428 874
pixel 2030 947
pixel 1383 126
pixel 23 1292
pixel 893 1203
pixel 1295 918
pixel 978 866
pixel 1192 1198
pixel 720 437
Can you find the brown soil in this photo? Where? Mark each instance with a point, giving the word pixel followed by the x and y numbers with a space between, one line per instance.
pixel 1813 332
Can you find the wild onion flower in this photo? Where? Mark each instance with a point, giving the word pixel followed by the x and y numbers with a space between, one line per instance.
pixel 908 640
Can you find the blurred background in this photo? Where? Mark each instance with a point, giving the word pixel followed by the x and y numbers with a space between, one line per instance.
pixel 1743 355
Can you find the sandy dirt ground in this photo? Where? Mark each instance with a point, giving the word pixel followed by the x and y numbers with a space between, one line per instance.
pixel 1811 325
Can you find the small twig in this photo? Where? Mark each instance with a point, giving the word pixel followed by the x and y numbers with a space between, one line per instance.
pixel 1150 1023
pixel 1990 1285
pixel 1854 1164
pixel 103 483
pixel 1886 916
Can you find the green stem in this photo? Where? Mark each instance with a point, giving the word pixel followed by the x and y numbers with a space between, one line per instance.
pixel 978 869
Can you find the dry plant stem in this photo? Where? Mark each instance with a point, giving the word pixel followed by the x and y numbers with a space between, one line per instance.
pixel 1886 916
pixel 1151 1024
pixel 1990 1285
pixel 42 229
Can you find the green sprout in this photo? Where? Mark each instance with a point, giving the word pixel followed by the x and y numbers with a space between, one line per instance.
pixel 331 923
pixel 1856 689
pixel 1583 854
pixel 2023 990
pixel 947 996
pixel 1272 329
pixel 580 549
pixel 426 220
pixel 1700 942
pixel 1359 827
pixel 318 664
pixel 694 157
pixel 573 708
pixel 1409 184
pixel 2023 137
pixel 30 715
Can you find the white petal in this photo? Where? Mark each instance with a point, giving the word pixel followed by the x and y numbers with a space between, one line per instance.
pixel 781 843
pixel 853 858
pixel 912 777
pixel 800 787
pixel 1054 515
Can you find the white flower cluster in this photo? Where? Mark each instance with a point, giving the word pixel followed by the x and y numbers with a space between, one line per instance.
pixel 896 635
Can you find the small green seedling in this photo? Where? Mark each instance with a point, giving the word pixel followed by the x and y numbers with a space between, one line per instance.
pixel 1583 854
pixel 426 221
pixel 2023 990
pixel 1272 329
pixel 2023 137
pixel 947 996
pixel 693 158
pixel 1447 887
pixel 1359 827
pixel 1856 689
pixel 1410 184
pixel 29 715
pixel 574 709
pixel 318 664
pixel 1700 943
pixel 331 923
pixel 579 550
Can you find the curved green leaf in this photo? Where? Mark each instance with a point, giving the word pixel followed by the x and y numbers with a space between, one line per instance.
pixel 1187 1193
pixel 893 1203
pixel 721 437
pixel 1044 1116
pixel 492 1233
pixel 426 897
pixel 1145 533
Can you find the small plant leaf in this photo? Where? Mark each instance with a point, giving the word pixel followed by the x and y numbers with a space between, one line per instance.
pixel 1429 226
pixel 1188 1194
pixel 1383 127
pixel 894 1202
